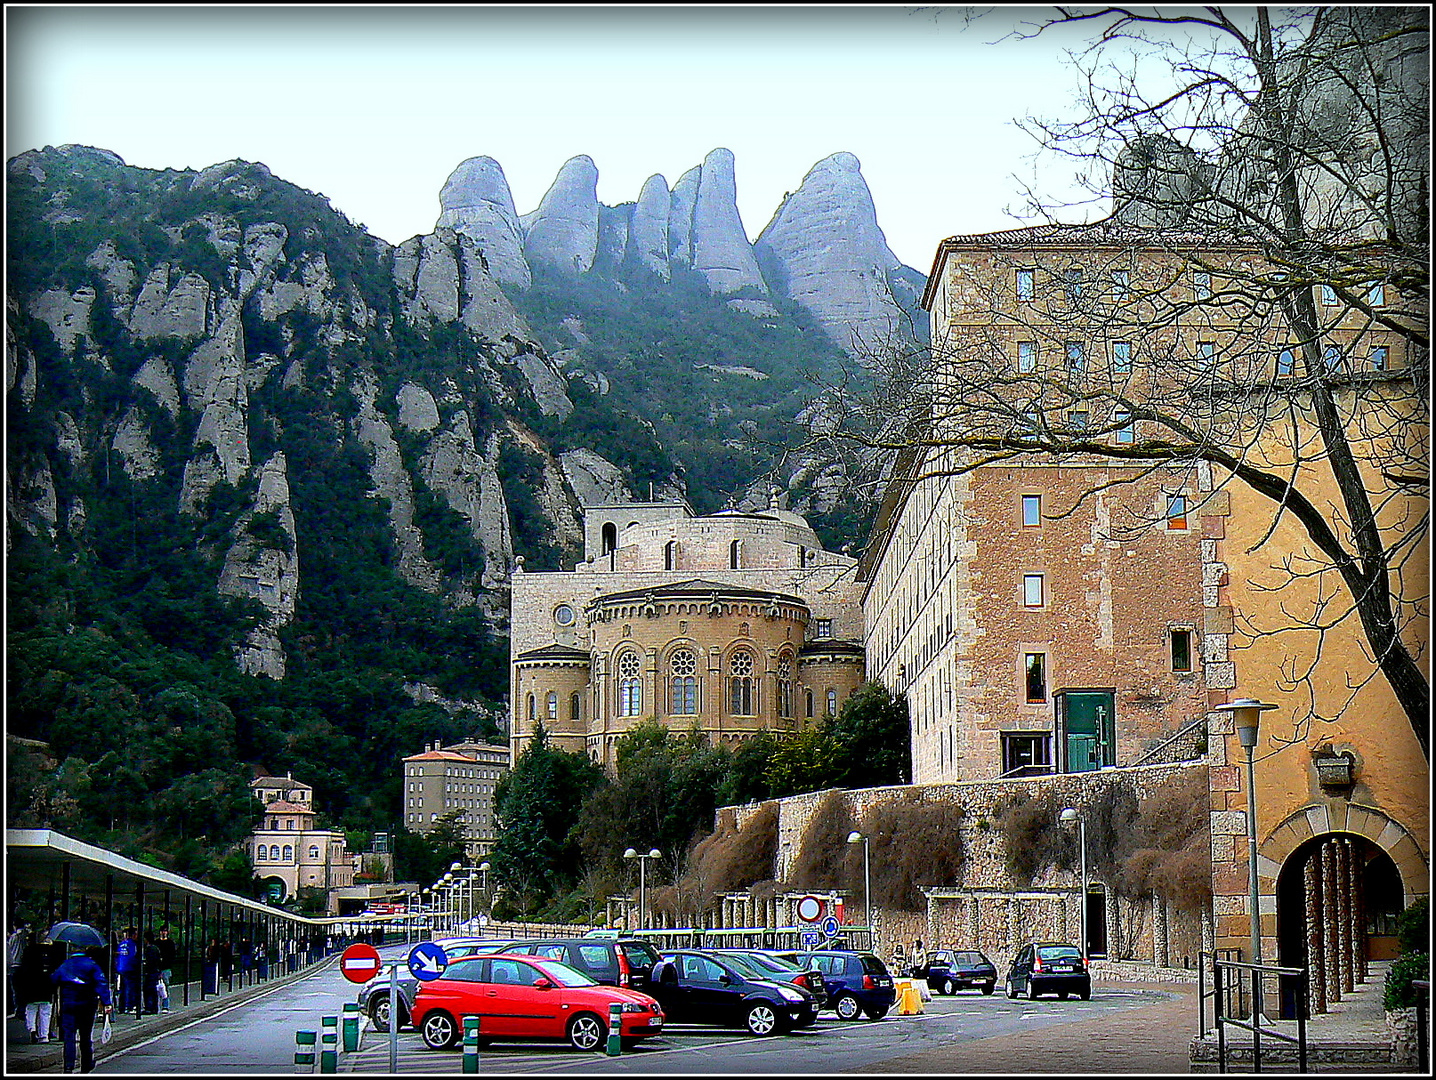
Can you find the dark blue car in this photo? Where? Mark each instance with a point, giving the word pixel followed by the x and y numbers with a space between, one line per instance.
pixel 855 982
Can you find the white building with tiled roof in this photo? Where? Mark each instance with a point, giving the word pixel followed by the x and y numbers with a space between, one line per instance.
pixel 288 849
pixel 462 777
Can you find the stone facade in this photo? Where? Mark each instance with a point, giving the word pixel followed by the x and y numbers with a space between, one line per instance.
pixel 461 777
pixel 734 623
pixel 288 847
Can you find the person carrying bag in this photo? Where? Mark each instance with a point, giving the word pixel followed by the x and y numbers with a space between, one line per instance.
pixel 83 990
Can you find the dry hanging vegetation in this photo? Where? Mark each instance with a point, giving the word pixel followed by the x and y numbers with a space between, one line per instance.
pixel 1032 839
pixel 729 859
pixel 825 848
pixel 1171 847
pixel 915 844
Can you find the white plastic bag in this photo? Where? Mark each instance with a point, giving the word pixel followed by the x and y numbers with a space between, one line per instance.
pixel 106 1034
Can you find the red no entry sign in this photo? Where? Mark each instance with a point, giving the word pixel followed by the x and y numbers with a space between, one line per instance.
pixel 359 963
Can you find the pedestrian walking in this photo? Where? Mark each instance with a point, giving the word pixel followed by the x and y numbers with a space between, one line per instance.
pixel 127 968
pixel 211 967
pixel 34 990
pixel 83 991
pixel 14 951
pixel 168 955
pixel 150 973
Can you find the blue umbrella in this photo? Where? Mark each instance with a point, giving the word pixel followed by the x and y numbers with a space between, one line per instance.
pixel 81 935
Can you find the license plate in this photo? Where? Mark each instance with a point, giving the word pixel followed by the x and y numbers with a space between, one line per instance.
pixel 1063 967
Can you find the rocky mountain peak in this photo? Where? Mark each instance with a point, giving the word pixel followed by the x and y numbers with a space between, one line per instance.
pixel 477 202
pixel 563 232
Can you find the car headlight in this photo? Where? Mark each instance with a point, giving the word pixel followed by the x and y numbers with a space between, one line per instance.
pixel 790 994
pixel 634 1007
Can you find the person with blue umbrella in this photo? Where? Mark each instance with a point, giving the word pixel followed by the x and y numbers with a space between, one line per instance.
pixel 83 990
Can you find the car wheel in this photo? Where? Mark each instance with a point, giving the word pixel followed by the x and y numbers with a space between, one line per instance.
pixel 1011 989
pixel 1031 990
pixel 762 1019
pixel 878 1013
pixel 439 1031
pixel 379 1012
pixel 988 988
pixel 1061 995
pixel 586 1032
pixel 949 987
pixel 847 1007
pixel 1086 993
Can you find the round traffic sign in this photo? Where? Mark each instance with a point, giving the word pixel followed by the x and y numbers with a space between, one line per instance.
pixel 360 962
pixel 830 926
pixel 810 909
pixel 427 961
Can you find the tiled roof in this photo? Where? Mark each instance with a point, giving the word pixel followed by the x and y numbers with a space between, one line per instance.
pixel 283 782
pixel 699 587
pixel 279 806
pixel 439 755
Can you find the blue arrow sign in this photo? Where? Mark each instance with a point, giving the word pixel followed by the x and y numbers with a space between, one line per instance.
pixel 427 961
pixel 830 927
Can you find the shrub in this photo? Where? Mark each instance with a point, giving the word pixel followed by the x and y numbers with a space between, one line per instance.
pixel 1399 993
pixel 824 848
pixel 1032 838
pixel 1413 926
pixel 921 848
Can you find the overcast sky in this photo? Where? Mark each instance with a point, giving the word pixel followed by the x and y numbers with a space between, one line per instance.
pixel 374 107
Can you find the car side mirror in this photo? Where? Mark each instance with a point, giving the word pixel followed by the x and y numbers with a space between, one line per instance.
pixel 543 984
pixel 726 980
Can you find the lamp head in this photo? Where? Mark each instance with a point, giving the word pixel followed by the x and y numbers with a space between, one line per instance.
pixel 456 867
pixel 484 866
pixel 1069 816
pixel 654 853
pixel 854 836
pixel 1246 718
pixel 631 853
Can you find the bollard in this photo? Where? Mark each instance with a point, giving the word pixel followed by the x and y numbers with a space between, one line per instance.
pixel 471 1044
pixel 329 1045
pixel 615 1030
pixel 304 1051
pixel 351 1026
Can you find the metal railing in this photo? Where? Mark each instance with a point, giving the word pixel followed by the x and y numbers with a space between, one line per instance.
pixel 1228 975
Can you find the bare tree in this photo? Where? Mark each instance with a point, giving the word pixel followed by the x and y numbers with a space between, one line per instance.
pixel 1253 311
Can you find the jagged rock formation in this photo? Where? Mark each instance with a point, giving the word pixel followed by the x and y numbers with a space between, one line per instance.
pixel 825 250
pixel 476 201
pixel 648 231
pixel 719 247
pixel 562 234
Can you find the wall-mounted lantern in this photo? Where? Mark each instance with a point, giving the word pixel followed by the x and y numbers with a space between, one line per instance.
pixel 1333 770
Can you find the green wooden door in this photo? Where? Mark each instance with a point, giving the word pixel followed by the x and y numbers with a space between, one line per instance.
pixel 1091 730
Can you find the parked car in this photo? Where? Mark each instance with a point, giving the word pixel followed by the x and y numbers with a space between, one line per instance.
pixel 696 987
pixel 374 994
pixel 855 982
pixel 524 997
pixel 949 970
pixel 1041 967
pixel 613 962
pixel 759 965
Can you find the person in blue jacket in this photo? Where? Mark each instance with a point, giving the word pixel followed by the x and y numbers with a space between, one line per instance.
pixel 83 990
pixel 127 967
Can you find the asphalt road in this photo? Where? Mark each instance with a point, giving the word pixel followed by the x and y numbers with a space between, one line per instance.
pixel 258 1037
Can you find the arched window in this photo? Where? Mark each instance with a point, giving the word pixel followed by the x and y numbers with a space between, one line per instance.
pixel 832 703
pixel 533 713
pixel 735 554
pixel 610 537
pixel 809 695
pixel 314 851
pixel 288 853
pixel 785 686
pixel 575 706
pixel 683 683
pixel 552 706
pixel 670 555
pixel 741 695
pixel 630 688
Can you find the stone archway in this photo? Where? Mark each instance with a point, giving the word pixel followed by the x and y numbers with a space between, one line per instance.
pixel 1338 875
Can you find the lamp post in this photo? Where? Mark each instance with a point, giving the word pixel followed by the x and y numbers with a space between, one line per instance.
pixel 853 838
pixel 632 853
pixel 1070 817
pixel 1246 718
pixel 484 887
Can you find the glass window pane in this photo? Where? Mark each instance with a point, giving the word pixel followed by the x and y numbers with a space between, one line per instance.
pixel 1032 590
pixel 1032 510
pixel 1122 357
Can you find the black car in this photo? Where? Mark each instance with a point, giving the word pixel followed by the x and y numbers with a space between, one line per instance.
pixel 949 970
pixel 699 988
pixel 611 961
pixel 374 994
pixel 1042 967
pixel 761 965
pixel 855 982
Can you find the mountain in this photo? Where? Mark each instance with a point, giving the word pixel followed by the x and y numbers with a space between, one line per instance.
pixel 268 475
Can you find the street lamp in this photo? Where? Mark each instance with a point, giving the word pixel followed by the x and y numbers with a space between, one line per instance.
pixel 632 853
pixel 484 887
pixel 1070 817
pixel 1246 718
pixel 853 838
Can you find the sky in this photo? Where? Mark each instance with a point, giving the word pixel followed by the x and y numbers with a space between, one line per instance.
pixel 374 107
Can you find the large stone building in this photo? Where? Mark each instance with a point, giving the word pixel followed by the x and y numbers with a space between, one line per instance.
pixel 287 847
pixel 736 623
pixel 1067 612
pixel 460 777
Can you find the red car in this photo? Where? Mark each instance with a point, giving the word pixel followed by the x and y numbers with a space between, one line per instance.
pixel 522 997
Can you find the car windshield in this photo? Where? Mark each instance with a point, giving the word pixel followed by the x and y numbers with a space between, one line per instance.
pixel 1059 952
pixel 563 974
pixel 971 958
pixel 745 965
pixel 772 963
pixel 639 954
pixel 872 965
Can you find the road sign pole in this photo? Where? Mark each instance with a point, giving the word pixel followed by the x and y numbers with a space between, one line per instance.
pixel 394 1017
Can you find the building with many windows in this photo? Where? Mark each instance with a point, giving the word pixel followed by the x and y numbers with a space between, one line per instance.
pixel 460 777
pixel 734 623
pixel 287 847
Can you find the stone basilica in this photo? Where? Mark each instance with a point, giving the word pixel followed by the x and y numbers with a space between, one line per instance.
pixel 736 623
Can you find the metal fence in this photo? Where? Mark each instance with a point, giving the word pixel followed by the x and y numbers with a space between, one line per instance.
pixel 1239 993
